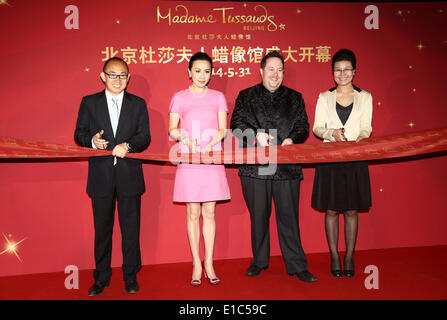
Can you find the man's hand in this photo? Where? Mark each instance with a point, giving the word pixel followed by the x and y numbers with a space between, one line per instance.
pixel 264 139
pixel 99 142
pixel 120 150
pixel 287 142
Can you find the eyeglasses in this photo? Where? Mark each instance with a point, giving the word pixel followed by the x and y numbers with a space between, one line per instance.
pixel 113 76
pixel 340 71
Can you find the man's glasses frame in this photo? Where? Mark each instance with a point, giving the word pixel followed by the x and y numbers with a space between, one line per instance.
pixel 113 76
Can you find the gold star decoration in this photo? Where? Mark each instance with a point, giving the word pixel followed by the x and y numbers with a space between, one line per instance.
pixel 419 46
pixel 282 26
pixel 410 67
pixel 401 13
pixel 414 90
pixel 298 11
pixel 87 69
pixel 117 22
pixel 411 124
pixel 379 103
pixel 245 5
pixel 4 2
pixel 381 189
pixel 11 247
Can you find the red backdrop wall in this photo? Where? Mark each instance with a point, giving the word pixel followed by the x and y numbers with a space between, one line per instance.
pixel 47 68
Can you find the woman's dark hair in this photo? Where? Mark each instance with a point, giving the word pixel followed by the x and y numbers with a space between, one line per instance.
pixel 344 55
pixel 200 56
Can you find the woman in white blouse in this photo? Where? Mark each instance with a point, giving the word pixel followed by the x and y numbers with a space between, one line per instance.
pixel 343 113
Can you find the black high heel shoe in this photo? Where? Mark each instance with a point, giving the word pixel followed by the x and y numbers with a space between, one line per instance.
pixel 349 272
pixel 336 272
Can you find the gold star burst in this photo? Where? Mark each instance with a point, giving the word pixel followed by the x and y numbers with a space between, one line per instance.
pixel 401 13
pixel 11 247
pixel 419 46
pixel 4 2
pixel 411 124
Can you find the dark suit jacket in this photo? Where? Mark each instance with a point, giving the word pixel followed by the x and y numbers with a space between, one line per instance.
pixel 284 110
pixel 133 128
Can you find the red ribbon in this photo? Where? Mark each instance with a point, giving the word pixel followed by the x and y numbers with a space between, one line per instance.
pixel 391 146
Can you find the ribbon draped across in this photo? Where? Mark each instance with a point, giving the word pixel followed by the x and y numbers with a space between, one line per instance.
pixel 385 147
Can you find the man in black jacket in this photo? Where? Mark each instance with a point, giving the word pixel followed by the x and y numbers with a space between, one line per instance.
pixel 118 121
pixel 272 114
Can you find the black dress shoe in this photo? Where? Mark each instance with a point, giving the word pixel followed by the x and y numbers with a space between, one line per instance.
pixel 132 286
pixel 306 276
pixel 254 270
pixel 97 288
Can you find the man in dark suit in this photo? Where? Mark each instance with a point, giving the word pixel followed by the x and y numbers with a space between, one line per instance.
pixel 118 121
pixel 272 114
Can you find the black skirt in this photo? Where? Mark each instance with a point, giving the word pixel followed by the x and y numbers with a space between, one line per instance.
pixel 342 186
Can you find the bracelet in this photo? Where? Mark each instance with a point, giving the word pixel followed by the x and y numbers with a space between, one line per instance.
pixel 182 140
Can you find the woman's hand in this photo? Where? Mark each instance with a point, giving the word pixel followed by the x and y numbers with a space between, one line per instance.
pixel 339 134
pixel 191 144
pixel 359 138
pixel 207 148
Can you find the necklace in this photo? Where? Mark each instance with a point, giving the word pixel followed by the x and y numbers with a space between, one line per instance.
pixel 198 95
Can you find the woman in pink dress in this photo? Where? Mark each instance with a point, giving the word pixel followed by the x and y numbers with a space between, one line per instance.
pixel 198 121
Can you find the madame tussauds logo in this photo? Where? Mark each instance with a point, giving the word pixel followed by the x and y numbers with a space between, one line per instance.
pixel 182 15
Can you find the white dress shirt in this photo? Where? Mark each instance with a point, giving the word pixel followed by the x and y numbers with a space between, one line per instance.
pixel 109 97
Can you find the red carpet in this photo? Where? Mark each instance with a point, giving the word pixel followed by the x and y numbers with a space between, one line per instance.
pixel 404 274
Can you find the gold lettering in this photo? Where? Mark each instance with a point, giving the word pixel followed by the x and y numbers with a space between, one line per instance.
pixel 160 16
pixel 223 12
pixel 182 16
pixel 263 17
pixel 272 26
pixel 183 19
